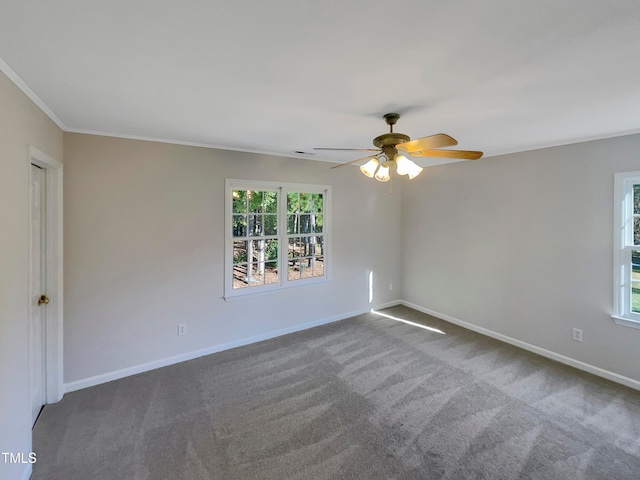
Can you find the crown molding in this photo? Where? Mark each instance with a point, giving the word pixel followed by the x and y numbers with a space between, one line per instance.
pixel 15 78
pixel 194 144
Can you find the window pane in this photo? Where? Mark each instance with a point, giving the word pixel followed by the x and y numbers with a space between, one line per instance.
pixel 306 203
pixel 636 199
pixel 270 224
pixel 256 226
pixel 239 201
pixel 319 245
pixel 239 226
pixel 294 270
pixel 312 247
pixel 240 276
pixel 255 201
pixel 302 246
pixel 308 246
pixel 305 268
pixel 635 297
pixel 271 273
pixel 318 271
pixel 317 202
pixel 305 223
pixel 635 281
pixel 636 231
pixel 318 224
pixel 271 250
pixel 294 247
pixel 635 265
pixel 271 202
pixel 293 224
pixel 257 250
pixel 292 203
pixel 257 274
pixel 239 252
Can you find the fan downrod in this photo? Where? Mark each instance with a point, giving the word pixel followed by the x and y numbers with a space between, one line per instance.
pixel 391 119
pixel 390 139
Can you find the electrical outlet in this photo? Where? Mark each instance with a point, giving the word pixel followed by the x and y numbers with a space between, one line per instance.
pixel 577 334
pixel 391 286
pixel 182 329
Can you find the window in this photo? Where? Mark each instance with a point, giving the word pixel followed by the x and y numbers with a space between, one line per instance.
pixel 627 249
pixel 277 236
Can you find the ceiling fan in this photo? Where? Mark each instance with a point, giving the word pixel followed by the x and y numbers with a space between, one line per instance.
pixel 389 144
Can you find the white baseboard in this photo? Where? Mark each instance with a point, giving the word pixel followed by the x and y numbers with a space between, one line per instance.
pixel 600 372
pixel 145 367
pixel 388 305
pixel 26 473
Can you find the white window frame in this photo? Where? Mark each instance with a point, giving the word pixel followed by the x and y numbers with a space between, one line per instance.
pixel 283 282
pixel 622 248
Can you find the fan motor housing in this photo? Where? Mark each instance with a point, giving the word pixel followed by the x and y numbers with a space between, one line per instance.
pixel 390 139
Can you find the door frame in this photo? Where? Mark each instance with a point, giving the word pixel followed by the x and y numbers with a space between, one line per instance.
pixel 53 331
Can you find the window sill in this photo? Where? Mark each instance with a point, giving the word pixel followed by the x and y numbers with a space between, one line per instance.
pixel 242 296
pixel 626 321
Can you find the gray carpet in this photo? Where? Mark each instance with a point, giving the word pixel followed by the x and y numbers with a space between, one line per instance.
pixel 364 398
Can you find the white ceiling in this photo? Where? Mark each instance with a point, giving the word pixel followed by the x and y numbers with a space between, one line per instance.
pixel 283 75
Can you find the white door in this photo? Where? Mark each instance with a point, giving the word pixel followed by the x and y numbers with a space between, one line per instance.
pixel 38 303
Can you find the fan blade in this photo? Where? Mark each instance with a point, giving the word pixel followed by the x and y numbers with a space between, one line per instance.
pixel 463 154
pixel 424 143
pixel 349 149
pixel 353 161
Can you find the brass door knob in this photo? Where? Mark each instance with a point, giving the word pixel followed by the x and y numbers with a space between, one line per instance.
pixel 43 300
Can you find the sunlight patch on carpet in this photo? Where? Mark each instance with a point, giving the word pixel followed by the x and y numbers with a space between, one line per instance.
pixel 419 325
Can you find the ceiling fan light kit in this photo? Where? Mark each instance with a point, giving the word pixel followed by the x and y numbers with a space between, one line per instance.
pixel 381 171
pixel 378 165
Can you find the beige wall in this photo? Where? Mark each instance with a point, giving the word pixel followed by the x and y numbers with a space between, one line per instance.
pixel 144 245
pixel 22 124
pixel 522 245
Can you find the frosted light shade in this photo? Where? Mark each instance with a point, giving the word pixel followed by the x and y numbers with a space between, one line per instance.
pixel 383 173
pixel 414 171
pixel 370 167
pixel 403 165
